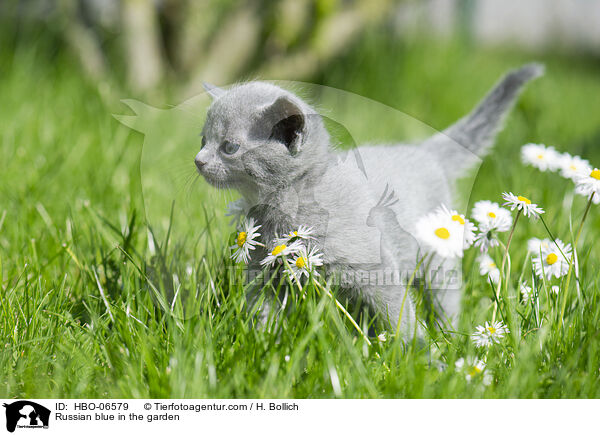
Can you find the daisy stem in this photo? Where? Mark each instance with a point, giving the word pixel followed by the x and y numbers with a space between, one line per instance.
pixel 553 239
pixel 342 309
pixel 499 286
pixel 568 281
pixel 563 254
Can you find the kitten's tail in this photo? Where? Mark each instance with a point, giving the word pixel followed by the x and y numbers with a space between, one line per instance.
pixel 460 144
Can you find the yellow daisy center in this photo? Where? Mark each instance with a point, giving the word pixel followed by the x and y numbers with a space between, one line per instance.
pixel 473 371
pixel 458 218
pixel 301 262
pixel 572 167
pixel 540 156
pixel 278 249
pixel 293 234
pixel 551 258
pixel 492 214
pixel 241 238
pixel 442 233
pixel 595 174
pixel 525 200
pixel 491 330
pixel 493 265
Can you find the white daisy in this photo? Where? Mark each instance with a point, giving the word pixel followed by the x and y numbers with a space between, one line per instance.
pixel 522 203
pixel 304 262
pixel 492 216
pixel 489 334
pixel 441 233
pixel 302 233
pixel 468 228
pixel 492 219
pixel 488 267
pixel 485 239
pixel 245 241
pixel 551 262
pixel 280 251
pixel 541 157
pixel 382 337
pixel 555 289
pixel 526 292
pixel 588 183
pixel 573 166
pixel 535 245
pixel 473 368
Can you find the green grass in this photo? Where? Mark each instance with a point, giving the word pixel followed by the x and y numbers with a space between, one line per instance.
pixel 81 293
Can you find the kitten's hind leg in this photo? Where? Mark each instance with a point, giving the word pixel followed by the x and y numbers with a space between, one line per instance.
pixel 443 292
pixel 388 294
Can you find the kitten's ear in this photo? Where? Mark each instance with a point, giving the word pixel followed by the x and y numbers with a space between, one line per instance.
pixel 288 122
pixel 213 91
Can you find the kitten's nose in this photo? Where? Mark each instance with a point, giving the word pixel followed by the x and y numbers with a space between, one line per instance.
pixel 199 163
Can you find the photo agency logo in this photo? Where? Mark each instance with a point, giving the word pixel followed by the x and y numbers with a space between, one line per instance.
pixel 25 414
pixel 312 191
pixel 379 221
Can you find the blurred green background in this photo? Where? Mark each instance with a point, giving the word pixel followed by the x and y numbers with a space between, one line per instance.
pixel 70 185
pixel 67 64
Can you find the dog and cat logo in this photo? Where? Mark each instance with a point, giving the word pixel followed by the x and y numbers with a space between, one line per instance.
pixel 26 414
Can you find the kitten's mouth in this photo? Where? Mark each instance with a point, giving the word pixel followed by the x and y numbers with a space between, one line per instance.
pixel 208 177
pixel 213 180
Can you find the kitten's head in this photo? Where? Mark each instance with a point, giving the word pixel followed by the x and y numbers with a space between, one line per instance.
pixel 258 137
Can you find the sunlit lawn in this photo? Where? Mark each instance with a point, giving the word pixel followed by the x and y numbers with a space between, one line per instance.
pixel 80 315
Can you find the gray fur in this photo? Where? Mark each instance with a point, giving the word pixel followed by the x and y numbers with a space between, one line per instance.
pixel 363 206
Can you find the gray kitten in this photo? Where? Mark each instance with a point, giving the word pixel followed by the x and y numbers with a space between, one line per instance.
pixel 275 150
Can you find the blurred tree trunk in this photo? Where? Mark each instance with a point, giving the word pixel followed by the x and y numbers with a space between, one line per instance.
pixel 196 23
pixel 232 47
pixel 82 40
pixel 334 34
pixel 142 44
pixel 213 40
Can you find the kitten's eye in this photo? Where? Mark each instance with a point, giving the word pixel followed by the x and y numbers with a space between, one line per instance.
pixel 203 141
pixel 229 147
